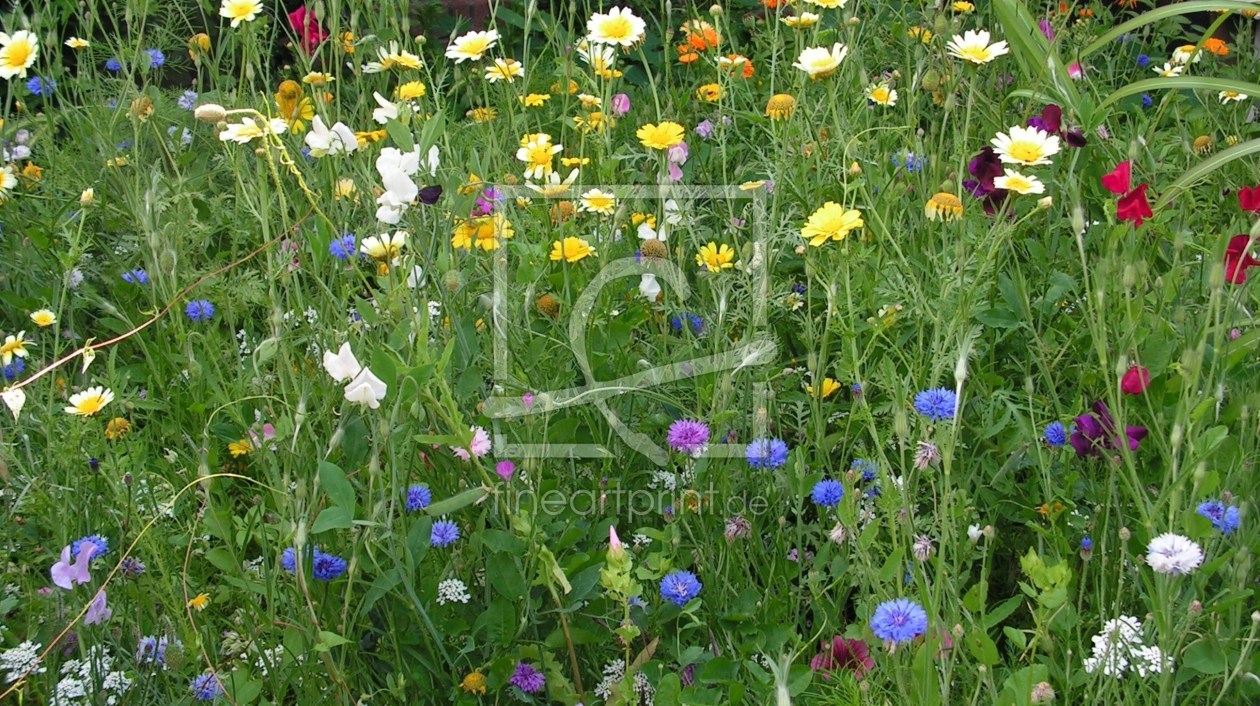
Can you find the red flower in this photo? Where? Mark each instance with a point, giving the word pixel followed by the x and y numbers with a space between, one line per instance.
pixel 1134 207
pixel 843 653
pixel 1135 381
pixel 1249 199
pixel 306 26
pixel 1237 259
pixel 1117 182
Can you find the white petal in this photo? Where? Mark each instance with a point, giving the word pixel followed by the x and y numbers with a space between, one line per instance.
pixel 366 389
pixel 342 365
pixel 15 399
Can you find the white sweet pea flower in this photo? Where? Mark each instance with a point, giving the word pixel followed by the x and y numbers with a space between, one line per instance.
pixel 325 141
pixel 366 389
pixel 387 112
pixel 649 287
pixel 342 365
pixel 14 399
pixel 646 232
pixel 399 192
pixel 392 158
pixel 435 160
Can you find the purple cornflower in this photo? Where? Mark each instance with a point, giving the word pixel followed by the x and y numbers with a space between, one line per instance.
pixel 137 276
pixel 766 453
pixel 912 162
pixel 206 687
pixel 326 567
pixel 899 620
pixel 936 404
pixel 187 100
pixel 688 435
pixel 679 587
pixel 199 310
pixel 418 497
pixel 1055 434
pixel 1224 517
pixel 444 533
pixel 156 58
pixel 828 493
pixel 132 567
pixel 343 247
pixel 527 678
pixel 152 650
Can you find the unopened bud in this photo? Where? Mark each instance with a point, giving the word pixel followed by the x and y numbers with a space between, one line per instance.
pixel 715 10
pixel 855 169
pixel 87 197
pixel 1125 534
pixel 1045 203
pixel 1196 608
pixel 210 113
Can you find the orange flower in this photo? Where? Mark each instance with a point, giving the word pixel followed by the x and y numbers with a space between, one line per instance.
pixel 686 56
pixel 775 4
pixel 1216 47
pixel 736 65
pixel 700 35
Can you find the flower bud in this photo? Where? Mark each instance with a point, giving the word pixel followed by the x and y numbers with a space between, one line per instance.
pixel 855 169
pixel 715 10
pixel 1042 693
pixel 210 113
pixel 616 550
pixel 1125 534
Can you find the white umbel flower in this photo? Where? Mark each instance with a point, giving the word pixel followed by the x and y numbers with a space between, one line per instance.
pixel 452 591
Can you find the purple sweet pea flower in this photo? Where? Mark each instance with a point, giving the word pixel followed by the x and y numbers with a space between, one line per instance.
pixel 1096 431
pixel 65 574
pixel 98 611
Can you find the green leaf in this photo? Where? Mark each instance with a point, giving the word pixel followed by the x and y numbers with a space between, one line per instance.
pixel 328 640
pixel 1212 164
pixel 222 560
pixel 719 670
pixel 432 130
pixel 1017 637
pixel 1002 611
pixel 500 541
pixel 456 502
pixel 400 135
pixel 339 490
pixel 332 518
pixel 505 576
pixel 982 648
pixel 499 622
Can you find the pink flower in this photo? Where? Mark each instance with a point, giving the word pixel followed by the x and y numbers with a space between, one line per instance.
pixel 843 653
pixel 304 23
pixel 98 611
pixel 479 446
pixel 620 105
pixel 1075 72
pixel 505 469
pixel 1135 381
pixel 527 399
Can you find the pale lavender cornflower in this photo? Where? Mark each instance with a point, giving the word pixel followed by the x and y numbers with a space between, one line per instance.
pixel 1173 554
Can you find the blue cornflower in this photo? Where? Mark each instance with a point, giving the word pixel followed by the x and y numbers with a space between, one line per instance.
pixel 828 493
pixel 344 247
pixel 799 288
pixel 766 453
pixel 444 533
pixel 101 544
pixel 188 100
pixel 132 567
pixel 900 620
pixel 156 58
pixel 418 497
pixel 1147 101
pixel 1143 61
pixel 136 277
pixel 1224 517
pixel 912 162
pixel 288 560
pixel 199 310
pixel 152 650
pixel 14 369
pixel 679 587
pixel 40 86
pixel 936 404
pixel 206 687
pixel 868 469
pixel 326 567
pixel 1056 434
pixel 113 64
pixel 1087 544
pixel 677 322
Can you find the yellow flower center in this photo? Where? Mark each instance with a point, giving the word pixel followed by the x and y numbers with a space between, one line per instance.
pixel 1025 151
pixel 617 28
pixel 977 55
pixel 91 405
pixel 18 54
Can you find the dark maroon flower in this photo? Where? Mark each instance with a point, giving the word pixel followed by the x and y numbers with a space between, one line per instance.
pixel 430 194
pixel 1051 121
pixel 1096 432
pixel 985 167
pixel 843 653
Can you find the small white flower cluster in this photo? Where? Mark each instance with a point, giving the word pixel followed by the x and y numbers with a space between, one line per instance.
pixel 20 660
pixel 640 540
pixel 1120 648
pixel 452 591
pixel 273 659
pixel 663 479
pixel 80 677
pixel 614 672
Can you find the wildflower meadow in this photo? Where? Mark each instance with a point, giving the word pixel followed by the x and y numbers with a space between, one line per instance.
pixel 816 352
